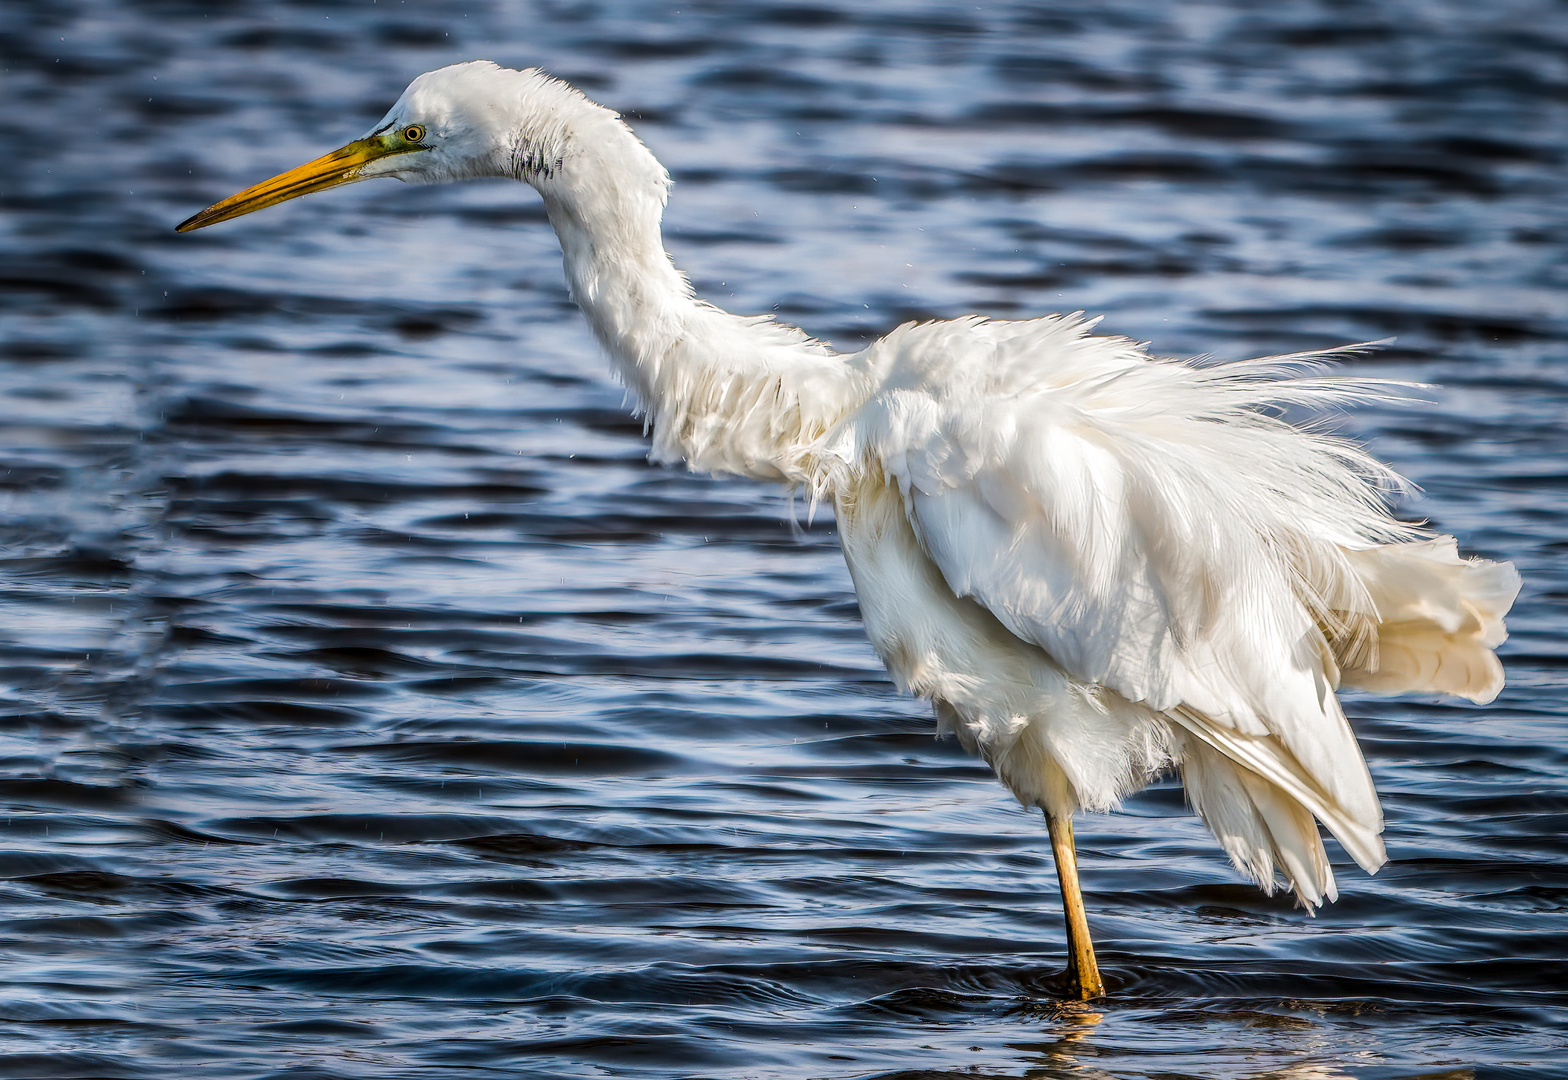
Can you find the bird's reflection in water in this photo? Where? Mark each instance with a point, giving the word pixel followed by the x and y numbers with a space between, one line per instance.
pixel 1069 1050
pixel 1076 1046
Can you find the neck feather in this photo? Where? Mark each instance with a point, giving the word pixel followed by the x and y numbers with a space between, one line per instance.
pixel 721 392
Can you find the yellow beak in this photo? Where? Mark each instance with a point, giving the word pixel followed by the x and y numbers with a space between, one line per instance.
pixel 342 166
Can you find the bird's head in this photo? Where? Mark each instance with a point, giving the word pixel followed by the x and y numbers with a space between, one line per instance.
pixel 456 123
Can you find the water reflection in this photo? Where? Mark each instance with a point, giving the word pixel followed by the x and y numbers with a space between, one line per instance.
pixel 1243 1044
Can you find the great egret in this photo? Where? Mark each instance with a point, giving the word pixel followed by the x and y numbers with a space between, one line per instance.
pixel 1097 564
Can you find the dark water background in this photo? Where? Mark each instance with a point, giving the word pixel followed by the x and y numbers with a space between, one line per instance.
pixel 372 709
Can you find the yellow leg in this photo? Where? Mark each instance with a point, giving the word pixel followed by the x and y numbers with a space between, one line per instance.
pixel 1083 974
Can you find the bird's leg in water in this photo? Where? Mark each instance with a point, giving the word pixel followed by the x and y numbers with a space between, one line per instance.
pixel 1083 974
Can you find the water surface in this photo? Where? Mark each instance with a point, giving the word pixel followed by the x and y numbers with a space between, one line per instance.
pixel 371 708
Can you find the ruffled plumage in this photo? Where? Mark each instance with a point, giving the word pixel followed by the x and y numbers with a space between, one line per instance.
pixel 1177 575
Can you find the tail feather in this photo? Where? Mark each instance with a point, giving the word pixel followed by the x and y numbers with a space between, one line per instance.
pixel 1438 619
pixel 1238 775
pixel 1261 827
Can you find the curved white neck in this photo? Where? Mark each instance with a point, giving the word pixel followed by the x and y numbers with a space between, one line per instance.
pixel 721 392
pixel 640 307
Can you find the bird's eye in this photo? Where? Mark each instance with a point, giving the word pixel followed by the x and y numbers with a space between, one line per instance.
pixel 413 133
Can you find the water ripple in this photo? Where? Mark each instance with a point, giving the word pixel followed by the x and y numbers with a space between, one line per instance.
pixel 372 707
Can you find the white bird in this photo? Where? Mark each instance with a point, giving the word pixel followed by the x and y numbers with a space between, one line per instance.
pixel 1097 564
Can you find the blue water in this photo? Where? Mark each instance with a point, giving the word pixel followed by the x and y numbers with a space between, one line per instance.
pixel 369 707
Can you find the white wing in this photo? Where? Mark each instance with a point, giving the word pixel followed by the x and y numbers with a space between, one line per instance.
pixel 1156 533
